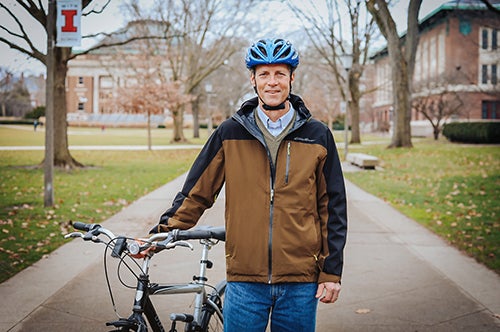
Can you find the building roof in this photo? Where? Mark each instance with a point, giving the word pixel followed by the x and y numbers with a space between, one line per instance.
pixel 444 10
pixel 461 5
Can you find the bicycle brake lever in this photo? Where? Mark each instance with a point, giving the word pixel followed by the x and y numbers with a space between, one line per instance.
pixel 180 243
pixel 73 234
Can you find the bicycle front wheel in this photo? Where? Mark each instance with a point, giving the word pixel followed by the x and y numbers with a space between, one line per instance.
pixel 211 315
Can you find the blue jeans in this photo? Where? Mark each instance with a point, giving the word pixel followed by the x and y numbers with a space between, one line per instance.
pixel 292 307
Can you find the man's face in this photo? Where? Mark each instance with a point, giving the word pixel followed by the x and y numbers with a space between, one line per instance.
pixel 272 83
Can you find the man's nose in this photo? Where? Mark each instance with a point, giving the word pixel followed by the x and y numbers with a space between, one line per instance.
pixel 272 80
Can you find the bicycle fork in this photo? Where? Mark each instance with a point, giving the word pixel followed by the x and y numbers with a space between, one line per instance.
pixel 142 305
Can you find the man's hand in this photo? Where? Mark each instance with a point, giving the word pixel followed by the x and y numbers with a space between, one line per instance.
pixel 143 253
pixel 328 292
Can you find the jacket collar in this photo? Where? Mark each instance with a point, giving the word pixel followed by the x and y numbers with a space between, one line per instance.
pixel 298 104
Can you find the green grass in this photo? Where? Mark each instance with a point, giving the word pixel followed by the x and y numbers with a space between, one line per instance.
pixel 451 189
pixel 10 136
pixel 93 194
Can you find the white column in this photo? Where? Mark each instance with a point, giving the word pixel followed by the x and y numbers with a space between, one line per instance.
pixel 95 95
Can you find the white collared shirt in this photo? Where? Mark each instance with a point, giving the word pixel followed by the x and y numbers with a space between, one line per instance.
pixel 276 127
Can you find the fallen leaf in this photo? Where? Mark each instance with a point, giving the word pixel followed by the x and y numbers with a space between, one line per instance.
pixel 363 311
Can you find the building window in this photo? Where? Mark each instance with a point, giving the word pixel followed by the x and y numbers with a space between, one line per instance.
pixel 106 82
pixel 484 109
pixel 81 106
pixel 484 74
pixel 484 42
pixel 489 109
pixel 80 80
pixel 494 40
pixel 493 74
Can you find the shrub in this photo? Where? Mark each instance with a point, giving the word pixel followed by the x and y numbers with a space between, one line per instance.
pixel 473 132
pixel 36 113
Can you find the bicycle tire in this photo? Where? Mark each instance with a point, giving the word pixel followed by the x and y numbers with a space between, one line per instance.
pixel 210 320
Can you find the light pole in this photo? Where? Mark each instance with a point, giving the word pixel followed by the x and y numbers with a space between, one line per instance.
pixel 48 197
pixel 208 89
pixel 346 60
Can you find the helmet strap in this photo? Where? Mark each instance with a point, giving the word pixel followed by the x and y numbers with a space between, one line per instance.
pixel 273 108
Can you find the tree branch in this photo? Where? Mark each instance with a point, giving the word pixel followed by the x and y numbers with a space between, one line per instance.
pixel 120 43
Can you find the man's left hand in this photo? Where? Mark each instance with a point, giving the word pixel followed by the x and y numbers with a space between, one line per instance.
pixel 328 292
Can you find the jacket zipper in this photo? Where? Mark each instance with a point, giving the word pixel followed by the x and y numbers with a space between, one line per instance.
pixel 252 131
pixel 287 162
pixel 270 240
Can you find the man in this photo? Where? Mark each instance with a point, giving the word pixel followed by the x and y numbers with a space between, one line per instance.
pixel 286 218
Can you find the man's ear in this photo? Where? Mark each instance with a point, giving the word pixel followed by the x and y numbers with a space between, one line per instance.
pixel 292 77
pixel 252 79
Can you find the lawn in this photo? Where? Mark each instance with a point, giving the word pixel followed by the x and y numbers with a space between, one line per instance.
pixel 78 136
pixel 450 188
pixel 112 180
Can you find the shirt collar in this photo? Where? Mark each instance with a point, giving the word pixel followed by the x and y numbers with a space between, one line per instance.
pixel 280 124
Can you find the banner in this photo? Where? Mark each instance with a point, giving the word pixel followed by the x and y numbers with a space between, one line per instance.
pixel 68 23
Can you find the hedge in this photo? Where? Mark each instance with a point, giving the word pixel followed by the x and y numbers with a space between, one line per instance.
pixel 473 132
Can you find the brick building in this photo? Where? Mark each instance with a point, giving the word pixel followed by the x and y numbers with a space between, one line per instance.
pixel 97 80
pixel 457 60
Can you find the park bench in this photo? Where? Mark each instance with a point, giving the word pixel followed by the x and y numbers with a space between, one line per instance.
pixel 363 160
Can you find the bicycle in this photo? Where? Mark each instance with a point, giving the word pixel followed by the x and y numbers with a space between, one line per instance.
pixel 207 313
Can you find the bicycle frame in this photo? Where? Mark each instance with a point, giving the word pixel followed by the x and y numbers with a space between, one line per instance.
pixel 144 289
pixel 205 306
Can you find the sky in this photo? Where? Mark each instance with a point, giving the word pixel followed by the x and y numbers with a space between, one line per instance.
pixel 112 19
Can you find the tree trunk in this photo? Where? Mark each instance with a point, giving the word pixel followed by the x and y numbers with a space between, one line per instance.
pixel 62 156
pixel 354 108
pixel 196 118
pixel 436 133
pixel 401 67
pixel 178 124
pixel 401 136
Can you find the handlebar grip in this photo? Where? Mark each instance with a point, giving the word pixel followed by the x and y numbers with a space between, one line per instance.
pixel 218 233
pixel 81 226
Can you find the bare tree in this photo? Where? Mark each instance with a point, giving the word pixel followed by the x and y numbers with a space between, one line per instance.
pixel 6 77
pixel 16 36
pixel 437 109
pixel 402 54
pixel 209 26
pixel 326 33
pixel 230 83
pixel 151 96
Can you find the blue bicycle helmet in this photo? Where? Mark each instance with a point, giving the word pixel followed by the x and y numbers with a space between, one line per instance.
pixel 272 51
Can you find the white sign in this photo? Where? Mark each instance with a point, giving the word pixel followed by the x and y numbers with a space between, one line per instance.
pixel 69 14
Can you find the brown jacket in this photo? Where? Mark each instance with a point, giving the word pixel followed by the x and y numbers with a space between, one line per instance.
pixel 283 224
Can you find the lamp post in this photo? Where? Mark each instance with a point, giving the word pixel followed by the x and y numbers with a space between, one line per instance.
pixel 346 61
pixel 208 90
pixel 48 174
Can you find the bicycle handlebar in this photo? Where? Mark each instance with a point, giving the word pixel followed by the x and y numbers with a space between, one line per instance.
pixel 84 227
pixel 202 232
pixel 161 241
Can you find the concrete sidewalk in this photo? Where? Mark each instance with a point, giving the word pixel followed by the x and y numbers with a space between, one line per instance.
pixel 397 277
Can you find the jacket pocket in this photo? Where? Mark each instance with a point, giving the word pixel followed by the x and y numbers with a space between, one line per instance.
pixel 287 169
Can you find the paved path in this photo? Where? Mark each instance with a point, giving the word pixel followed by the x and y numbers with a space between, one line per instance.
pixel 398 277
